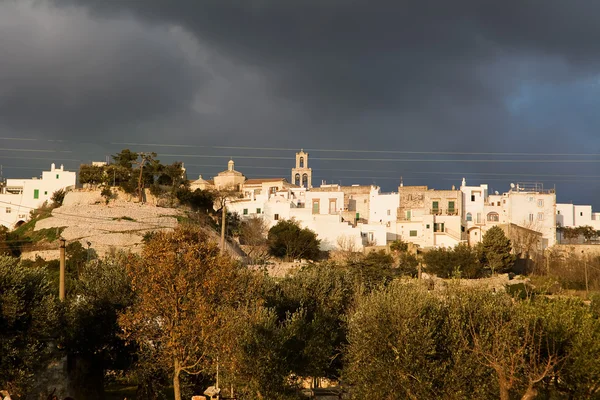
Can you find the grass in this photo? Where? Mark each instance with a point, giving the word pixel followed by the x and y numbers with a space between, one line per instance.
pixel 48 235
pixel 25 234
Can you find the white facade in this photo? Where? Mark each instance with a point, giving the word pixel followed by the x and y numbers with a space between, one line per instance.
pixel 426 217
pixel 383 207
pixel 19 196
pixel 572 216
pixel 528 206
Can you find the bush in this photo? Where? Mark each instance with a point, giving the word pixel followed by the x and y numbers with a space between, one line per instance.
pixel 461 261
pixel 58 197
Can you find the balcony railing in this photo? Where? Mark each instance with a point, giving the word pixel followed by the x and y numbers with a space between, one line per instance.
pixel 441 211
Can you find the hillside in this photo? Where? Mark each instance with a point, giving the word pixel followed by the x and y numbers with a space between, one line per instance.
pixel 119 225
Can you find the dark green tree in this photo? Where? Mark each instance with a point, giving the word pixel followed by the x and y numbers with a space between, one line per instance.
pixel 496 251
pixel 373 269
pixel 91 174
pixel 125 158
pixel 28 316
pixel 408 264
pixel 461 261
pixel 288 240
pixel 311 306
pixel 90 334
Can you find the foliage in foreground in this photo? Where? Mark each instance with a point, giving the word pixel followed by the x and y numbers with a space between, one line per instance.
pixel 407 341
pixel 28 316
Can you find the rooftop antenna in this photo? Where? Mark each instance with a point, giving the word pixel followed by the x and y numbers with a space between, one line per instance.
pixel 401 182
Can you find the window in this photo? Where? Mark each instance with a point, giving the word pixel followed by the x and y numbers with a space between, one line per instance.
pixel 245 211
pixel 315 207
pixel 540 216
pixel 558 212
pixel 332 206
pixel 389 212
pixel 273 190
pixel 530 217
pixel 413 233
pixel 530 199
pixel 451 207
pixel 427 226
pixel 258 210
pixel 8 210
pixel 45 193
pixel 581 214
pixel 22 216
pixel 36 193
pixel 472 197
pixel 438 227
pixel 540 202
pixel 469 217
pixel 435 207
pixel 493 217
pixel 57 176
pixel 276 217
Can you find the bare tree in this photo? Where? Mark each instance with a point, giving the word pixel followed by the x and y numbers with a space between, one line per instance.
pixel 221 198
pixel 512 343
pixel 347 248
pixel 253 236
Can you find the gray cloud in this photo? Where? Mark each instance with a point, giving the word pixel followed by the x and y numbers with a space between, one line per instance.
pixel 442 76
pixel 65 73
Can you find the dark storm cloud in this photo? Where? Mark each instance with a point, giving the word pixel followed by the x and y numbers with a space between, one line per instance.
pixel 63 73
pixel 443 75
pixel 418 61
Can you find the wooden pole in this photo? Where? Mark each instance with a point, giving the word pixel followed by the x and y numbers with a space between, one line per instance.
pixel 61 285
pixel 585 269
pixel 223 217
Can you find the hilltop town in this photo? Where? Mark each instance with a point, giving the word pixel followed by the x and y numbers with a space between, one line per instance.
pixel 353 217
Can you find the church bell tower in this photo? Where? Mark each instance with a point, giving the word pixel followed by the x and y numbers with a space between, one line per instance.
pixel 301 174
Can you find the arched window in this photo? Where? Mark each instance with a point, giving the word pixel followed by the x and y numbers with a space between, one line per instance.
pixel 493 217
pixel 301 162
pixel 304 180
pixel 469 217
pixel 297 180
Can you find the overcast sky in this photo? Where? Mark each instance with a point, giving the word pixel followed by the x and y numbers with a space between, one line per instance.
pixel 495 91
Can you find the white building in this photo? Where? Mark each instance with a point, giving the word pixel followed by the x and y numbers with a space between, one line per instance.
pixel 429 217
pixel 572 216
pixel 19 196
pixel 528 206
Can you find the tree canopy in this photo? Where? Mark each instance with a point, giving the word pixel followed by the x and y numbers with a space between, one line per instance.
pixel 496 251
pixel 185 291
pixel 288 240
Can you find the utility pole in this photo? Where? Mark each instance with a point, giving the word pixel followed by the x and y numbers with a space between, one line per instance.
pixel 585 269
pixel 223 219
pixel 61 285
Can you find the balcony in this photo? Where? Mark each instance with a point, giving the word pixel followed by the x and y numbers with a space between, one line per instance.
pixel 440 211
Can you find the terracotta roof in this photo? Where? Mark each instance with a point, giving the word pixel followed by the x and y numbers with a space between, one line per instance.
pixel 261 180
